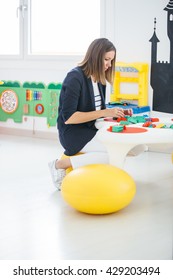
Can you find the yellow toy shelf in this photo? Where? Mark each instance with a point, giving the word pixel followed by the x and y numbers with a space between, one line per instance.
pixel 134 73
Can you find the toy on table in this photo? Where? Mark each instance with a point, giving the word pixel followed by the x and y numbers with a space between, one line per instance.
pixel 159 125
pixel 117 128
pixel 124 129
pixel 126 105
pixel 127 119
pixel 144 120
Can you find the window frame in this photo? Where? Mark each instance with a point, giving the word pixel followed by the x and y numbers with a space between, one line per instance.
pixel 106 30
pixel 21 32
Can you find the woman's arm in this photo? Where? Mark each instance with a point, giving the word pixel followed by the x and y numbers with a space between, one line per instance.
pixel 82 117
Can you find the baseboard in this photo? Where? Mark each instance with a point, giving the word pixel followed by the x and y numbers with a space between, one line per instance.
pixel 29 133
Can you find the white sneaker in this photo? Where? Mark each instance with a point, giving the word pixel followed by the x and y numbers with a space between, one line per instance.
pixel 57 174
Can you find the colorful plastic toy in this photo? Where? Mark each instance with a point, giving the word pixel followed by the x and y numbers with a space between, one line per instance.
pixel 161 125
pixel 117 128
pixel 134 73
pixel 98 189
pixel 134 107
pixel 147 124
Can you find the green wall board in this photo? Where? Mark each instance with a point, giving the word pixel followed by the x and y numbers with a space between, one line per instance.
pixel 30 99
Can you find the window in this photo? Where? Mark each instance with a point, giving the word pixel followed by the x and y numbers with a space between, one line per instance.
pixel 49 27
pixel 10 28
pixel 56 26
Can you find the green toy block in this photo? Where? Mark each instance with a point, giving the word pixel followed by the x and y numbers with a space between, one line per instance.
pixel 117 128
pixel 124 122
pixel 132 120
pixel 140 119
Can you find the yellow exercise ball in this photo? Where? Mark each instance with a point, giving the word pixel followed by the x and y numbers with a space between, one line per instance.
pixel 98 189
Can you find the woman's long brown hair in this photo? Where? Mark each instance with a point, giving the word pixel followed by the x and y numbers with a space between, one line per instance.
pixel 92 64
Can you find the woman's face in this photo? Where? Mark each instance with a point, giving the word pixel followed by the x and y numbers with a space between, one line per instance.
pixel 107 62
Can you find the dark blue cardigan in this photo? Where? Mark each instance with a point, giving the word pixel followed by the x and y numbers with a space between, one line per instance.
pixel 76 95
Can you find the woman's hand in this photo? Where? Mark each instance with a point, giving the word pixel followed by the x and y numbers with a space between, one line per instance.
pixel 114 112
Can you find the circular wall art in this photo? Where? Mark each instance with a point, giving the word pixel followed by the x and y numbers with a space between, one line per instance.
pixel 39 108
pixel 9 101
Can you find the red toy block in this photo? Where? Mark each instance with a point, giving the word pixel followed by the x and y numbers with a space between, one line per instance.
pixel 146 124
pixel 154 119
pixel 121 119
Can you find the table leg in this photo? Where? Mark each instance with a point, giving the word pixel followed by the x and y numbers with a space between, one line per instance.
pixel 118 152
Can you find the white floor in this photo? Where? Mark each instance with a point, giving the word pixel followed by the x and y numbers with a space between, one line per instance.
pixel 35 222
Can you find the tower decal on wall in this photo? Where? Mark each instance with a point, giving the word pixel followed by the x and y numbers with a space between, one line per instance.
pixel 161 79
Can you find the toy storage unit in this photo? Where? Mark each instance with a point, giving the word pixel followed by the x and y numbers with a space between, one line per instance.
pixel 135 74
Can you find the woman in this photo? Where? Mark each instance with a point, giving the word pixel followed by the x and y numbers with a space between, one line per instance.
pixel 82 102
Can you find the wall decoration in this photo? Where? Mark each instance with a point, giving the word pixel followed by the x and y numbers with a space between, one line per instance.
pixel 9 101
pixel 32 99
pixel 39 108
pixel 161 79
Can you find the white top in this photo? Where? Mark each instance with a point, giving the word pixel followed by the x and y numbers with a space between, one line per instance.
pixel 97 96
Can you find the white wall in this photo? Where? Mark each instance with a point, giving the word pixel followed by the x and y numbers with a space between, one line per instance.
pixel 135 26
pixel 130 29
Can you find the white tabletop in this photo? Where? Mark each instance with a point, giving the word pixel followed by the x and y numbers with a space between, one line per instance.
pixel 151 135
pixel 118 144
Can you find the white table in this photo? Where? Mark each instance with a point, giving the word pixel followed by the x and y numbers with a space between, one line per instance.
pixel 119 144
